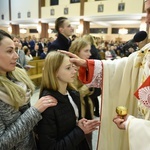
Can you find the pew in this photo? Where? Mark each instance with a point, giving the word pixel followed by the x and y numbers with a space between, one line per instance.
pixel 35 71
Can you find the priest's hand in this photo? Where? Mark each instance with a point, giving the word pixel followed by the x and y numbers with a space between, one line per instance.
pixel 75 59
pixel 120 122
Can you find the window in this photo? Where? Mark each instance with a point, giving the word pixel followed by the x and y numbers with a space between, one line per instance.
pixel 99 30
pixel 33 31
pixel 74 1
pixel 54 2
pixel 130 30
pixel 133 30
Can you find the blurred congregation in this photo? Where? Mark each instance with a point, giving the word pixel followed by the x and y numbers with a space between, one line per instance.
pixel 39 27
pixel 107 40
pixel 57 31
pixel 109 50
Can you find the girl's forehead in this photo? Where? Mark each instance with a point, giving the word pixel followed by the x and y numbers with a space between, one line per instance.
pixel 66 57
pixel 6 41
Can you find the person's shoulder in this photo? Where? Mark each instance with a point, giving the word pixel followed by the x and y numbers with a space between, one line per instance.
pixel 42 54
pixel 46 92
pixel 145 47
pixel 54 45
pixel 21 52
pixel 55 41
pixel 50 92
pixel 74 92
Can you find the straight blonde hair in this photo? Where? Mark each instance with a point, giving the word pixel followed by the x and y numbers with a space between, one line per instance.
pixel 52 64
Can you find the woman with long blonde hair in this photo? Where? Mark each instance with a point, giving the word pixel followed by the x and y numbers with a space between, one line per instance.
pixel 17 117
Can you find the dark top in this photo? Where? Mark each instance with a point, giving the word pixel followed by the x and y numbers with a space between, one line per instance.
pixel 33 53
pixel 58 130
pixel 41 47
pixel 42 55
pixel 61 43
pixel 94 53
pixel 32 44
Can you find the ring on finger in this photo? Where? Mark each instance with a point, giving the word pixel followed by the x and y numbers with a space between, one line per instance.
pixel 49 101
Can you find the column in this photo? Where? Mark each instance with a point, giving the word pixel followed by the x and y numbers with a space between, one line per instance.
pixel 43 26
pixel 84 24
pixel 85 27
pixel 44 30
pixel 15 29
pixel 41 4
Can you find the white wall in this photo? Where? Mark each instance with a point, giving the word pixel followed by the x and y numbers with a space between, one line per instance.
pixel 23 6
pixel 4 9
pixel 111 7
pixel 74 10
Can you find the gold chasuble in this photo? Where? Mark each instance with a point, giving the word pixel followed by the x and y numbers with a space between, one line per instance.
pixel 119 80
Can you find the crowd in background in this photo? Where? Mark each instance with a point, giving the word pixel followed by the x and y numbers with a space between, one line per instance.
pixel 109 50
pixel 85 47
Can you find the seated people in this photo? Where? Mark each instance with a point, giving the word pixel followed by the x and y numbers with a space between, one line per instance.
pixel 44 53
pixel 28 56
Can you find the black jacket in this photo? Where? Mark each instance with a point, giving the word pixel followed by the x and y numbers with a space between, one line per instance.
pixel 33 53
pixel 94 53
pixel 57 130
pixel 61 43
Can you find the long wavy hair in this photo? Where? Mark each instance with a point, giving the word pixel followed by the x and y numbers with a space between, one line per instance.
pixel 90 39
pixel 77 45
pixel 15 92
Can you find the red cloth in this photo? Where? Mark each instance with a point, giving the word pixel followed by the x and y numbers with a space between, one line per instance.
pixel 143 92
pixel 86 74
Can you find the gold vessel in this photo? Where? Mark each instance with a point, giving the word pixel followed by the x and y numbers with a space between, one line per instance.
pixel 121 110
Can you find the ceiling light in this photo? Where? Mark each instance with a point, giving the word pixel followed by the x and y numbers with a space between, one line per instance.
pixel 39 28
pixel 10 29
pixel 23 31
pixel 123 31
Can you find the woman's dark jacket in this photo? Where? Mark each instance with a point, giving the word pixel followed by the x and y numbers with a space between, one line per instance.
pixel 58 130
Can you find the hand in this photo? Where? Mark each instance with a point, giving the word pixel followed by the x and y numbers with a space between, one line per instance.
pixel 75 59
pixel 120 122
pixel 44 102
pixel 88 126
